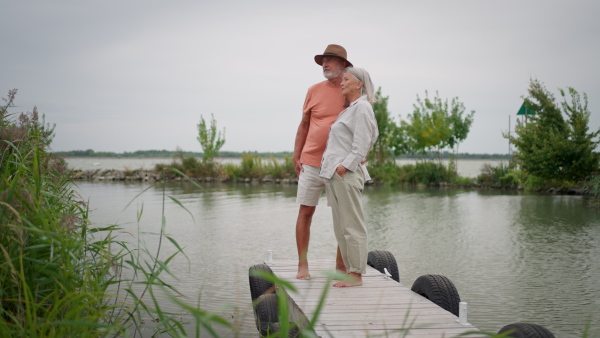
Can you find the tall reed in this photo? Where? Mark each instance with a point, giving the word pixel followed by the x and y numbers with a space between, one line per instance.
pixel 50 277
pixel 61 276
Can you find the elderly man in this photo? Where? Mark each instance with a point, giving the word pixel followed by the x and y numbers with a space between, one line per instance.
pixel 324 102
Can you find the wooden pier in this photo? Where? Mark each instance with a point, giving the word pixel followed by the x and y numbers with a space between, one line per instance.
pixel 381 307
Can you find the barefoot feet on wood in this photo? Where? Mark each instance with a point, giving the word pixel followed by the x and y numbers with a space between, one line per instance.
pixel 303 272
pixel 355 279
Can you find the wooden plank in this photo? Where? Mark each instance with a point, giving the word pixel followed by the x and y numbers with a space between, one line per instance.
pixel 381 306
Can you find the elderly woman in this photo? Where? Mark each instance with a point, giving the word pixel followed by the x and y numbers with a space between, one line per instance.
pixel 350 138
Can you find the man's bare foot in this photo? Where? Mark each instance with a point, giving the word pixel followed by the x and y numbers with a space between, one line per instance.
pixel 356 280
pixel 303 272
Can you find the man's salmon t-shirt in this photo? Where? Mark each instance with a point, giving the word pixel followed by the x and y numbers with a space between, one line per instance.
pixel 324 102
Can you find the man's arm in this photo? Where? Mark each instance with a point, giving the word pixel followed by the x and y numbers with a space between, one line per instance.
pixel 301 136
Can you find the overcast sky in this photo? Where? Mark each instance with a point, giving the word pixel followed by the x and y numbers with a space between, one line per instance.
pixel 137 75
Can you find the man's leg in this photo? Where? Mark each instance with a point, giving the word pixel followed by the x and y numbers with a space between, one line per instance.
pixel 303 223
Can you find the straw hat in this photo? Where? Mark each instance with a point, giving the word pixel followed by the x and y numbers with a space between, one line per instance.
pixel 333 50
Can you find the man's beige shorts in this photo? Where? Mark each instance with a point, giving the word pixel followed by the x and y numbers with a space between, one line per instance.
pixel 310 186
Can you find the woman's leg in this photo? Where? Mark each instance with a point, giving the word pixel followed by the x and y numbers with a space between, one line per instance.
pixel 349 223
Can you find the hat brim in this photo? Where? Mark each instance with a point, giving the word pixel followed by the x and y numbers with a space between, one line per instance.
pixel 319 58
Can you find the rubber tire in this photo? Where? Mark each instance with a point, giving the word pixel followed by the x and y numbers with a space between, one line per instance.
pixel 258 285
pixel 440 290
pixel 266 314
pixel 380 259
pixel 526 330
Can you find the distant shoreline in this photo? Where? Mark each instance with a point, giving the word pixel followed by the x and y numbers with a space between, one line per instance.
pixel 265 155
pixel 150 176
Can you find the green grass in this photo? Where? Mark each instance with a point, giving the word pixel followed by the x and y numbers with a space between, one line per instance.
pixel 422 172
pixel 252 166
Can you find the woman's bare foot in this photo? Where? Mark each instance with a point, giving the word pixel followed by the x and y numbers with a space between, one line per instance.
pixel 340 268
pixel 303 272
pixel 339 262
pixel 356 281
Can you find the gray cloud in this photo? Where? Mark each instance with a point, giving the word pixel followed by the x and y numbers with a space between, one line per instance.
pixel 137 75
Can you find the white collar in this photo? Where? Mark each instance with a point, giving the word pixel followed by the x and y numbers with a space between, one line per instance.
pixel 363 97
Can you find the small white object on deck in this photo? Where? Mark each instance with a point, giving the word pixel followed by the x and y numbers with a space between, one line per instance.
pixel 387 273
pixel 269 257
pixel 462 313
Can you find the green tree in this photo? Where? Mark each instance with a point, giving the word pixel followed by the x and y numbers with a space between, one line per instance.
pixel 434 125
pixel 210 139
pixel 550 146
pixel 460 125
pixel 383 146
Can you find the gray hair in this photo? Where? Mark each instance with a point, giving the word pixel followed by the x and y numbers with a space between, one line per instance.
pixel 367 87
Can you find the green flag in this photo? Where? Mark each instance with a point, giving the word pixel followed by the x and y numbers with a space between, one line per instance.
pixel 525 111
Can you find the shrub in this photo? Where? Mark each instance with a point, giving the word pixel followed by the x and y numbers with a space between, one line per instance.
pixel 463 180
pixel 592 187
pixel 387 172
pixel 406 174
pixel 533 183
pixel 231 171
pixel 423 172
pixel 510 179
pixel 251 166
pixel 492 174
pixel 193 167
pixel 277 170
pixel 430 172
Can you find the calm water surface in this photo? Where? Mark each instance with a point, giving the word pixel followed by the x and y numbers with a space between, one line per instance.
pixel 513 257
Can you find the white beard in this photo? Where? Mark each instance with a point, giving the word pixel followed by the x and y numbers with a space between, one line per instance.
pixel 332 75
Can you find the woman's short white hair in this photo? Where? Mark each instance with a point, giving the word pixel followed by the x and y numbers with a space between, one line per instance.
pixel 367 88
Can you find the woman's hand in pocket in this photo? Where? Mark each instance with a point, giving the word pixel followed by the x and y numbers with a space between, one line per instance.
pixel 341 170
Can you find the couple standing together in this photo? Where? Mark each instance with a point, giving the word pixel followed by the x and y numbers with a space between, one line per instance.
pixel 337 130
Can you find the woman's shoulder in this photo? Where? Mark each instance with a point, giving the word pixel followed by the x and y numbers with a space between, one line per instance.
pixel 363 104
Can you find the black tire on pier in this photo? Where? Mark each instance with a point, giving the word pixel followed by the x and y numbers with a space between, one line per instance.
pixel 265 314
pixel 440 290
pixel 259 285
pixel 526 330
pixel 380 259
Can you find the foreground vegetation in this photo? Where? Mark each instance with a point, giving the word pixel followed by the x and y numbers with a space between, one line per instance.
pixel 60 276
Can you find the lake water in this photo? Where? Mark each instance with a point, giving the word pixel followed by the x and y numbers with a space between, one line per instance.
pixel 514 257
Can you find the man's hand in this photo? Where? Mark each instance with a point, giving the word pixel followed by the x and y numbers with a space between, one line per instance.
pixel 298 166
pixel 301 136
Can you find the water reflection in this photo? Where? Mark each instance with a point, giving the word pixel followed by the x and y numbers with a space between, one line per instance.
pixel 513 257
